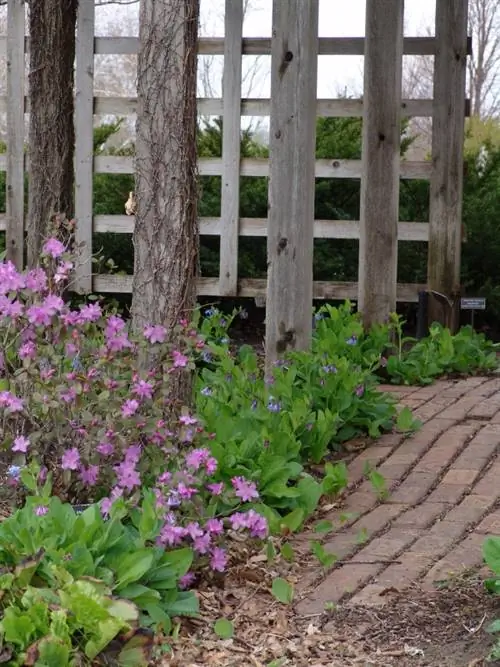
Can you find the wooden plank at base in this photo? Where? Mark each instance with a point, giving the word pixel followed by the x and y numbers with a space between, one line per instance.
pixel 252 287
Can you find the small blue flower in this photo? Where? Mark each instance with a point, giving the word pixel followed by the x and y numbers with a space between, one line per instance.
pixel 224 341
pixel 352 340
pixel 254 405
pixel 222 322
pixel 273 406
pixel 76 364
pixel 330 368
pixel 206 356
pixel 319 316
pixel 14 472
pixel 211 311
pixel 206 391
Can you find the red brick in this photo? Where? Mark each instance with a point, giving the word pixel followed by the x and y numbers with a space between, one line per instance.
pixel 462 407
pixel 414 488
pixel 470 510
pixel 433 408
pixel 409 568
pixel 421 516
pixel 490 524
pixel 489 485
pixel 343 544
pixel 388 545
pixel 432 390
pixel 339 583
pixel 378 518
pixel 457 476
pixel 466 555
pixel 447 493
pixel 372 595
pixel 486 388
pixel 360 501
pixel 486 409
pixel 392 471
pixel 438 540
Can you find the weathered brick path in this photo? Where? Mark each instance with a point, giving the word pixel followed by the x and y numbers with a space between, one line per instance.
pixel 444 484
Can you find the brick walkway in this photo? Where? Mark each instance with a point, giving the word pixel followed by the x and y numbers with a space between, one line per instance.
pixel 444 484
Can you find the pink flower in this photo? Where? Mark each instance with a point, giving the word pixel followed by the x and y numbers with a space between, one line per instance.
pixel 90 312
pixel 171 535
pixel 130 407
pixel 155 333
pixel 27 350
pixel 216 488
pixel 10 402
pixel 244 489
pixel 41 510
pixel 256 524
pixel 105 448
pixel 187 420
pixel 193 530
pixel 196 458
pixel 127 475
pixel 21 444
pixel 89 475
pixel 214 526
pixel 36 280
pixel 211 465
pixel 70 459
pixel 202 543
pixel 218 560
pixel 186 580
pixel 238 520
pixel 185 491
pixel 143 389
pixel 180 360
pixel 114 325
pixel 54 248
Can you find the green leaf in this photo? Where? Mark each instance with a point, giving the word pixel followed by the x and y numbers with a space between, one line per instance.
pixel 282 590
pixel 136 652
pixel 377 480
pixel 224 628
pixel 491 553
pixel 287 551
pixel 405 420
pixel 159 617
pixel 326 559
pixel 270 551
pixel 53 652
pixel 141 595
pixel 185 604
pixel 293 521
pixel 324 526
pixel 133 567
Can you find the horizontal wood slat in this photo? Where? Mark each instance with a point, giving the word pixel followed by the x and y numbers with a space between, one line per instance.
pixel 256 46
pixel 323 229
pixel 252 287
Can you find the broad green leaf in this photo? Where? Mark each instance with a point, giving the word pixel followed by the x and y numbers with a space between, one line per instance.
pixel 405 421
pixel 224 628
pixel 287 551
pixel 324 526
pixel 136 652
pixel 270 551
pixel 132 567
pixel 293 521
pixel 159 616
pixel 491 553
pixel 326 559
pixel 125 610
pixel 54 652
pixel 282 590
pixel 141 595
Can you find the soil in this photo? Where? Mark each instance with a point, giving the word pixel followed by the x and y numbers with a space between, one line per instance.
pixel 443 628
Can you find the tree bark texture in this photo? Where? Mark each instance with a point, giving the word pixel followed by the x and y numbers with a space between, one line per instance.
pixel 52 26
pixel 166 227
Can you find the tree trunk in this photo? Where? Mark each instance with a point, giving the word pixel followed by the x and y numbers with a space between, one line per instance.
pixel 52 26
pixel 166 227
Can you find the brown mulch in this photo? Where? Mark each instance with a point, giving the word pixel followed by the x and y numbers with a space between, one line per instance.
pixel 443 628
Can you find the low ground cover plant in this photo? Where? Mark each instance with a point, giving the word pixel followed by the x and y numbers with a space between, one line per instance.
pixel 84 420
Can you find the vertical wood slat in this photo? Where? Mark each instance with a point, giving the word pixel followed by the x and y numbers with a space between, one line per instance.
pixel 15 132
pixel 379 210
pixel 231 132
pixel 446 182
pixel 294 61
pixel 84 143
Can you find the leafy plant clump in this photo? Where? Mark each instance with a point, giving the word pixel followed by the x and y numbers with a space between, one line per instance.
pixel 491 555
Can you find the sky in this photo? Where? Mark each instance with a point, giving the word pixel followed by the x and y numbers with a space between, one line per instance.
pixel 337 75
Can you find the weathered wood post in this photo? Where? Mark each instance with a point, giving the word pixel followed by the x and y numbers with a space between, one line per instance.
pixel 15 132
pixel 231 140
pixel 379 211
pixel 446 186
pixel 294 63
